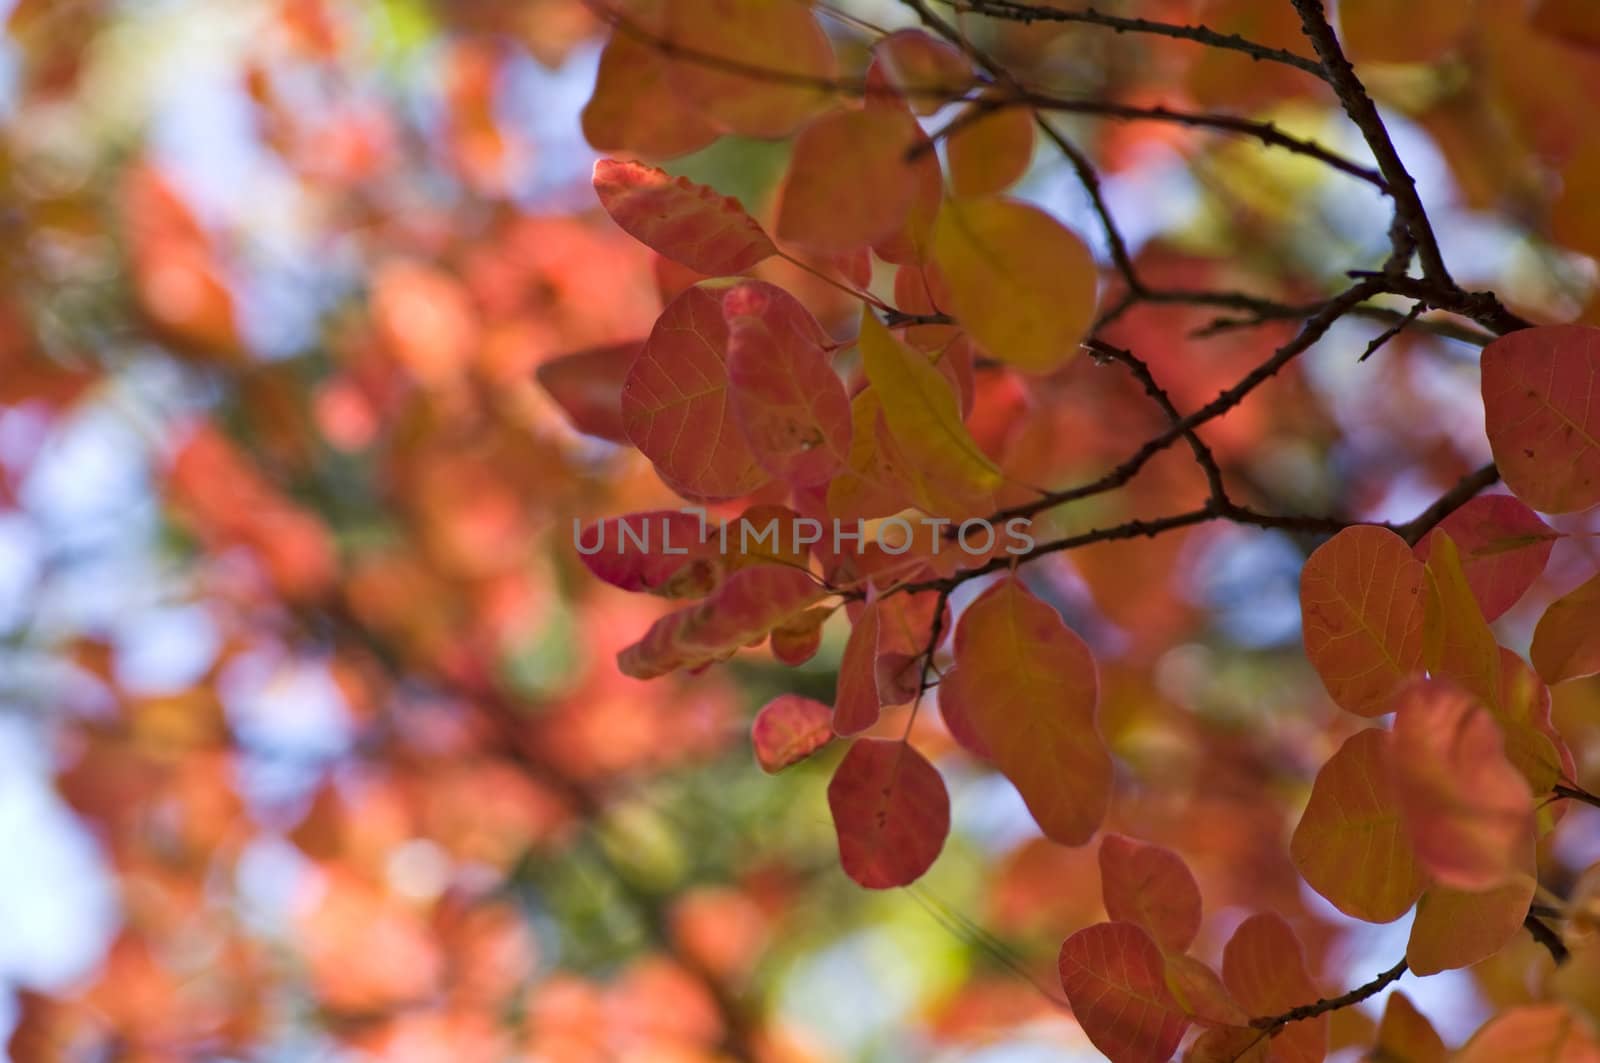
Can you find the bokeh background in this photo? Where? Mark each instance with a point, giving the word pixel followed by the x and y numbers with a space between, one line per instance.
pixel 312 746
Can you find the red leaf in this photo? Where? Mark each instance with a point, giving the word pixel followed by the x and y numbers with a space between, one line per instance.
pixel 1151 887
pixel 687 222
pixel 1468 810
pixel 675 403
pixel 1115 979
pixel 891 812
pixel 1264 969
pixel 1504 547
pixel 587 385
pixel 1361 594
pixel 748 605
pixel 1540 413
pixel 659 552
pixel 787 400
pixel 855 703
pixel 788 729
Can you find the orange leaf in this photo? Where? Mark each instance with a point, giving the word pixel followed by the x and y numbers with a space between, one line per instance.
pixel 787 400
pixel 1381 31
pixel 1566 643
pixel 849 182
pixel 734 48
pixel 687 222
pixel 632 108
pixel 1351 846
pixel 927 71
pixel 1504 547
pixel 1200 993
pixel 1468 811
pixel 659 552
pixel 788 729
pixel 1150 887
pixel 1456 929
pixel 1539 409
pixel 1456 641
pixel 989 154
pixel 748 605
pixel 1114 977
pixel 1027 685
pixel 587 385
pixel 1406 1036
pixel 675 402
pixel 891 812
pixel 1361 594
pixel 1265 970
pixel 1533 1033
pixel 1020 282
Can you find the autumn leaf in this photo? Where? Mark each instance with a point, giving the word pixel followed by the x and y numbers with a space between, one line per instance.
pixel 731 52
pixel 1150 887
pixel 1363 599
pixel 687 222
pixel 788 729
pixel 675 403
pixel 1020 282
pixel 990 148
pixel 633 109
pixel 1534 1033
pixel 1027 686
pixel 849 183
pixel 1566 642
pixel 920 411
pixel 929 72
pixel 1457 928
pixel 873 482
pixel 1351 845
pixel 856 703
pixel 1265 970
pixel 587 385
pixel 788 402
pixel 745 608
pixel 1115 981
pixel 1468 810
pixel 1456 641
pixel 891 812
pixel 1543 425
pixel 1504 546
pixel 1405 1035
pixel 660 552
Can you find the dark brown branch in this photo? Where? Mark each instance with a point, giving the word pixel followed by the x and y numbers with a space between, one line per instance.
pixel 1016 11
pixel 1546 937
pixel 1309 333
pixel 1363 112
pixel 1382 338
pixel 1413 530
pixel 1327 1004
pixel 1574 793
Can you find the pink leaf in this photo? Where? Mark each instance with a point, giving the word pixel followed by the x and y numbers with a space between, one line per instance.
pixel 788 729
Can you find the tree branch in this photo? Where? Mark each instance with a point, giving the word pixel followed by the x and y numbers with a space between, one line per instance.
pixel 1546 937
pixel 1574 793
pixel 1322 1007
pixel 1363 112
pixel 1016 11
pixel 1463 492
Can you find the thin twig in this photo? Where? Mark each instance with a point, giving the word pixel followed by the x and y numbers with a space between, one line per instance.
pixel 1322 1007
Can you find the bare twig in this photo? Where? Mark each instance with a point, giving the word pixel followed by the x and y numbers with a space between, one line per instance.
pixel 1322 1007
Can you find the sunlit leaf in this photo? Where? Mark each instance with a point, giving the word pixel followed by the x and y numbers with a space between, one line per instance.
pixel 788 729
pixel 891 812
pixel 1533 1033
pixel 788 402
pixel 1504 547
pixel 1566 643
pixel 687 222
pixel 1362 597
pixel 1265 970
pixel 989 154
pixel 1457 928
pixel 1027 686
pixel 1351 846
pixel 1456 641
pixel 1543 423
pixel 634 110
pixel 1114 978
pixel 675 403
pixel 1020 282
pixel 1150 887
pixel 929 71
